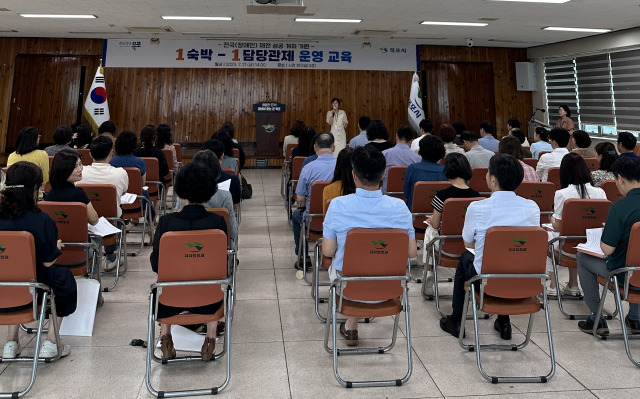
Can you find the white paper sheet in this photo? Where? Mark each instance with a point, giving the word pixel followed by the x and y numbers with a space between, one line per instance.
pixel 185 340
pixel 594 236
pixel 224 185
pixel 80 322
pixel 103 228
pixel 128 198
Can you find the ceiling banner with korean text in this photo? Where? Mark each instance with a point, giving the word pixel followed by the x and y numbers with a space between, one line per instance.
pixel 140 53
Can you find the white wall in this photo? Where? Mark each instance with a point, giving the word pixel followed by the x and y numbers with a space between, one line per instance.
pixel 622 40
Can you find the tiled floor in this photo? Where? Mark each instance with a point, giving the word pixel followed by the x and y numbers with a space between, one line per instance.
pixel 277 349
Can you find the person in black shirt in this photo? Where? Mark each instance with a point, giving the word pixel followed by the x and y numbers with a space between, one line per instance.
pixel 19 212
pixel 194 186
pixel 378 136
pixel 148 149
pixel 235 188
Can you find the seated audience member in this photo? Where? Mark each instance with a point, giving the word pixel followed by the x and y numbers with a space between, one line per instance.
pixel 231 131
pixel 519 134
pixel 164 141
pixel 459 127
pixel 487 140
pixel 305 147
pixel 476 154
pixel 148 149
pixel 19 212
pixel 83 136
pixel 458 171
pixel 194 186
pixel 607 155
pixel 582 142
pixel 511 145
pixel 313 155
pixel 342 182
pixel 426 129
pixel 234 187
pixel 428 169
pixel 448 134
pixel 27 150
pixel 614 243
pixel 400 154
pixel 296 129
pixel 125 144
pixel 101 172
pixel 222 198
pixel 319 170
pixel 361 139
pixel 627 144
pixel 61 137
pixel 354 211
pixel 505 175
pixel 514 123
pixel 227 161
pixel 541 138
pixel 575 182
pixel 108 129
pixel 559 138
pixel 378 136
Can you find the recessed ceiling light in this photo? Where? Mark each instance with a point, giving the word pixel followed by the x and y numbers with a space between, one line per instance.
pixel 197 18
pixel 75 16
pixel 353 21
pixel 589 30
pixel 453 23
pixel 537 1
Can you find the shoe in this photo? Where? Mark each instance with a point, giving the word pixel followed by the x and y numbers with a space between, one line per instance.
pixel 587 326
pixel 448 325
pixel 503 329
pixel 100 299
pixel 633 326
pixel 109 266
pixel 220 328
pixel 350 335
pixel 11 350
pixel 428 284
pixel 298 265
pixel 208 348
pixel 166 346
pixel 571 291
pixel 49 349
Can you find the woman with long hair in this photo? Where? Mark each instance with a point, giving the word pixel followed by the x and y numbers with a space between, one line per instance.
pixel 337 119
pixel 296 130
pixel 511 145
pixel 27 150
pixel 566 122
pixel 342 182
pixel 607 155
pixel 541 138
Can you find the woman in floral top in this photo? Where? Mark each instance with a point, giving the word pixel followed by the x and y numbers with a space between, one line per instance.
pixel 607 155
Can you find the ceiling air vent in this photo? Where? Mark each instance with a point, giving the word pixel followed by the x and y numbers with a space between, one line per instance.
pixel 149 29
pixel 373 32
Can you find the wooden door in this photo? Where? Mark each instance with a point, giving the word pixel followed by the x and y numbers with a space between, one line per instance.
pixel 458 92
pixel 46 92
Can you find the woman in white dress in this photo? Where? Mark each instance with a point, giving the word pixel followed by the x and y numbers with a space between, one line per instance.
pixel 337 119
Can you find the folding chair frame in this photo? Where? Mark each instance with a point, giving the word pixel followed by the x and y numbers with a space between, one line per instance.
pixel 288 201
pixel 146 213
pixel 229 306
pixel 475 306
pixel 331 323
pixel 303 248
pixel 122 252
pixel 48 299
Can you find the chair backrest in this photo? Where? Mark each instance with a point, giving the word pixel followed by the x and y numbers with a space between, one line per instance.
pixel 540 192
pixel 297 167
pixel 50 162
pixel 72 221
pixel 423 193
pixel 192 256
pixel 611 189
pixel 375 252
pixel 633 253
pixel 578 215
pixel 236 153
pixel 315 204
pixel 554 177
pixel 541 153
pixel 229 171
pixel 85 153
pixel 103 197
pixel 135 187
pixel 290 148
pixel 636 150
pixel 169 156
pixel 514 250
pixel 224 212
pixel 17 264
pixel 592 164
pixel 395 181
pixel 178 148
pixel 478 180
pixel 533 162
pixel 454 211
pixel 153 174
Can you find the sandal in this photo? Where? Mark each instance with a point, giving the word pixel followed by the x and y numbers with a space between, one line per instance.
pixel 208 347
pixel 166 346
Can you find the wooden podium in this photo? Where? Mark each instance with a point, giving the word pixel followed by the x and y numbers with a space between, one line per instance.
pixel 268 125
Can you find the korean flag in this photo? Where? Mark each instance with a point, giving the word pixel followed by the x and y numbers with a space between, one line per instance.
pixel 96 108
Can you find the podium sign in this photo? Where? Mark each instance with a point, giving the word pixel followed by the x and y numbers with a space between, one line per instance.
pixel 268 126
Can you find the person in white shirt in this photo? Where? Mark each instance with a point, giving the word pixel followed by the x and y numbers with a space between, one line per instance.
pixel 426 127
pixel 576 182
pixel 559 138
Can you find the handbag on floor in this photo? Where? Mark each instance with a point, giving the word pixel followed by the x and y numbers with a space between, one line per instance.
pixel 247 191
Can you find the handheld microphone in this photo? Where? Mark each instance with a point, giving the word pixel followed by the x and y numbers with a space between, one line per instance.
pixel 540 109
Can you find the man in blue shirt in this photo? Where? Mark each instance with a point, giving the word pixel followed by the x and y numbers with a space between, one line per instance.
pixel 361 139
pixel 487 130
pixel 400 154
pixel 428 169
pixel 626 144
pixel 503 208
pixel 357 211
pixel 319 170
